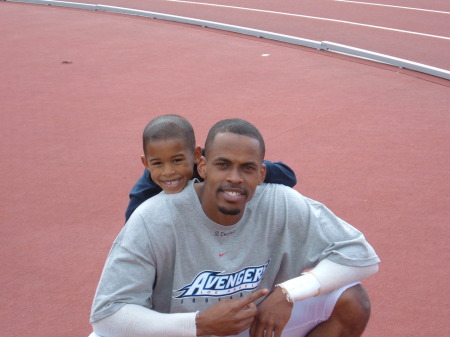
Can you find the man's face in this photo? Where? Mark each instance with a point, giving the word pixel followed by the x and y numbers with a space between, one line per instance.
pixel 232 172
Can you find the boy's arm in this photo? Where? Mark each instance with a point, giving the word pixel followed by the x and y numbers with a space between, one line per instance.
pixel 279 173
pixel 142 190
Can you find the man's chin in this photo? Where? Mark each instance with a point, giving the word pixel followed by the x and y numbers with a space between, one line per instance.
pixel 230 211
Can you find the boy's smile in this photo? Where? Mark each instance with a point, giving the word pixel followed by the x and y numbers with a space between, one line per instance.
pixel 172 184
pixel 171 163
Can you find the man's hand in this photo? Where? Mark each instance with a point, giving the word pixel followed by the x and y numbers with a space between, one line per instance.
pixel 229 317
pixel 273 315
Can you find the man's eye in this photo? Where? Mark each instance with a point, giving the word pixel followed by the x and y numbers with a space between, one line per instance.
pixel 221 165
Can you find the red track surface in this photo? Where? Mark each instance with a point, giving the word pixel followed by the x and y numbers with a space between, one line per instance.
pixel 369 141
pixel 428 50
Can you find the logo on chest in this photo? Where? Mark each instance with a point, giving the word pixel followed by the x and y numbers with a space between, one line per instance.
pixel 216 284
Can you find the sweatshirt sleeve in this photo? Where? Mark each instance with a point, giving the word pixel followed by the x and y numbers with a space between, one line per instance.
pixel 279 173
pixel 142 190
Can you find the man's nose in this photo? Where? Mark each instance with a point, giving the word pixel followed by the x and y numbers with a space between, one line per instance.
pixel 235 176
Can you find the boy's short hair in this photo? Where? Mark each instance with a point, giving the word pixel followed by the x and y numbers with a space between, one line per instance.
pixel 236 126
pixel 169 127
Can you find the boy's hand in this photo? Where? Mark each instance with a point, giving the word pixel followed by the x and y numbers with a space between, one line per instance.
pixel 273 315
pixel 229 317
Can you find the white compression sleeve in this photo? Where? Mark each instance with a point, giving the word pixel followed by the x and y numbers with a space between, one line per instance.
pixel 136 321
pixel 332 275
pixel 325 277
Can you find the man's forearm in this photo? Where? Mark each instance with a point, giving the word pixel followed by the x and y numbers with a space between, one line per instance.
pixel 136 321
pixel 325 277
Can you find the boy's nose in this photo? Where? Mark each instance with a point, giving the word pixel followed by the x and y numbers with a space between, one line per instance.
pixel 168 169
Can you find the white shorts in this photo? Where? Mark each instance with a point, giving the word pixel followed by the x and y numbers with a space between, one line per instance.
pixel 306 314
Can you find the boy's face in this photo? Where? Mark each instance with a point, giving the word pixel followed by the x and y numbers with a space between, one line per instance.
pixel 171 163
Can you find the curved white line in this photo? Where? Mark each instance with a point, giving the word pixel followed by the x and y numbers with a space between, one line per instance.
pixel 313 17
pixel 324 45
pixel 384 5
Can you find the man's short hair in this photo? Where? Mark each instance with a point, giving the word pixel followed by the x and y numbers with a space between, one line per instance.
pixel 169 127
pixel 236 126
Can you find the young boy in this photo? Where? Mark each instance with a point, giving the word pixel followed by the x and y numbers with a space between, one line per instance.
pixel 170 158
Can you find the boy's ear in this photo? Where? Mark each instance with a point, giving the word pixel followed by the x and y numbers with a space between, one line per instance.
pixel 263 174
pixel 144 161
pixel 201 167
pixel 197 154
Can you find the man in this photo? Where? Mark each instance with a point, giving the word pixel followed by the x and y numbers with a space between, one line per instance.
pixel 206 263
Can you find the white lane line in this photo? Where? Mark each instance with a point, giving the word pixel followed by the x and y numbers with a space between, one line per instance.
pixel 384 5
pixel 323 45
pixel 314 18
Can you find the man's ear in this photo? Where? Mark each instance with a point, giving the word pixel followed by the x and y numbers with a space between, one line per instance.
pixel 144 161
pixel 197 154
pixel 263 174
pixel 201 167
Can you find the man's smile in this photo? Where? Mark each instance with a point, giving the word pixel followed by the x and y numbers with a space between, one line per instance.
pixel 233 193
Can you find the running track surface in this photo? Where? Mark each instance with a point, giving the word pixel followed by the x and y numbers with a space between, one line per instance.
pixel 415 30
pixel 368 140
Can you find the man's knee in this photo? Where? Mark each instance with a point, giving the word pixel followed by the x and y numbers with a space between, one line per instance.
pixel 352 310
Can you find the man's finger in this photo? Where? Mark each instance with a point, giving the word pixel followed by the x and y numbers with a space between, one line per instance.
pixel 256 330
pixel 253 297
pixel 277 332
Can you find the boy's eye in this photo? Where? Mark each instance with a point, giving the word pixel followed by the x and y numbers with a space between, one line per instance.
pixel 155 163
